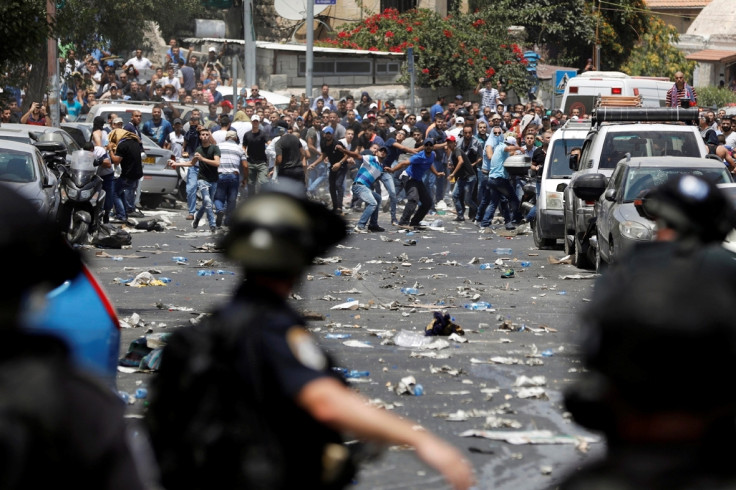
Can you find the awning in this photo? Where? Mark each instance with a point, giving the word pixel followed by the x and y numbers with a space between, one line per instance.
pixel 713 56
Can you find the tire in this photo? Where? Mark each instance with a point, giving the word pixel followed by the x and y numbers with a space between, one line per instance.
pixel 539 242
pixel 600 264
pixel 581 257
pixel 78 229
pixel 152 201
pixel 569 246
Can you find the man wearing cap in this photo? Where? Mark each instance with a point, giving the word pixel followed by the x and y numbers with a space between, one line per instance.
pixel 499 184
pixel 254 143
pixel 431 180
pixel 337 166
pixel 371 168
pixel 411 180
pixel 233 166
pixel 226 109
pixel 157 128
pixel 73 104
pixel 457 130
pixel 175 140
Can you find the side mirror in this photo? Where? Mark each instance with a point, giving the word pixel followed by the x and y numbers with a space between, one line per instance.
pixel 589 187
pixel 573 162
pixel 610 195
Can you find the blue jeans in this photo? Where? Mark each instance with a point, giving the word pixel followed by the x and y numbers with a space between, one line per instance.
pixel 372 200
pixel 192 178
pixel 462 194
pixel 125 196
pixel 532 214
pixel 108 185
pixel 337 186
pixel 388 182
pixel 316 177
pixel 499 187
pixel 484 195
pixel 226 195
pixel 207 190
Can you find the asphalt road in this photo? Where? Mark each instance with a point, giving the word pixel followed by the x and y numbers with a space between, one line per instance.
pixel 533 326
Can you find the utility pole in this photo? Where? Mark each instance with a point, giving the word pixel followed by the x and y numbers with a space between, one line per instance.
pixel 310 49
pixel 249 36
pixel 53 68
pixel 597 49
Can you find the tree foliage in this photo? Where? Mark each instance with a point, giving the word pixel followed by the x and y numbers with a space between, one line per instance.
pixel 454 51
pixel 656 55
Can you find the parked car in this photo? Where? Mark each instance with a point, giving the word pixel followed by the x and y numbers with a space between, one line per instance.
pixel 549 225
pixel 124 109
pixel 278 101
pixel 22 167
pixel 159 180
pixel 44 133
pixel 618 223
pixel 609 140
pixel 80 131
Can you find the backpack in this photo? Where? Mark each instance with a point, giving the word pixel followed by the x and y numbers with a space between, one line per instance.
pixel 196 412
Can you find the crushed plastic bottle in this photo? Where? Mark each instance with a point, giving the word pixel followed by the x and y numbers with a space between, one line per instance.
pixel 205 272
pixel 437 223
pixel 165 280
pixel 117 258
pixel 357 374
pixel 485 266
pixel 179 259
pixel 418 390
pixel 525 263
pixel 225 273
pixel 503 251
pixel 337 336
pixel 410 290
pixel 410 338
pixel 338 272
pixel 141 393
pixel 479 306
pixel 547 353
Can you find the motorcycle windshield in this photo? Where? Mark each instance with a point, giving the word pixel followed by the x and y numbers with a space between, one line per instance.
pixel 82 177
pixel 82 167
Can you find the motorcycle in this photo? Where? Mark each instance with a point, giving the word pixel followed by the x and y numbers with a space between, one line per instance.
pixel 54 156
pixel 81 210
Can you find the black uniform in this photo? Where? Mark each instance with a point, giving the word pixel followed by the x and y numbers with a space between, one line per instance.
pixel 58 427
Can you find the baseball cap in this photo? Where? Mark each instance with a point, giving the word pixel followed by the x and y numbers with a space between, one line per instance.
pixel 458 97
pixel 226 103
pixel 372 115
pixel 255 117
pixel 231 135
pixel 117 120
pixel 328 130
pixel 510 140
pixel 177 121
pixel 459 120
pixel 451 138
pixel 495 116
pixel 212 49
pixel 428 141
pixel 343 99
pixel 383 147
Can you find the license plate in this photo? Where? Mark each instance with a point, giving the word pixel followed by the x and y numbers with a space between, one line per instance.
pixel 149 161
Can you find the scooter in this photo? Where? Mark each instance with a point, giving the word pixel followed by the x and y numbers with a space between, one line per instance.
pixel 81 210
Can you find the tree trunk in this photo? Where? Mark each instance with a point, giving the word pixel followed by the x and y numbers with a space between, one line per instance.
pixel 38 78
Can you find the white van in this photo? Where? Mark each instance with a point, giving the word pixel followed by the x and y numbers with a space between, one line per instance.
pixel 581 91
pixel 549 225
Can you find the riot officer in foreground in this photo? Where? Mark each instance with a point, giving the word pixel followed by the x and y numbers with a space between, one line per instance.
pixel 659 339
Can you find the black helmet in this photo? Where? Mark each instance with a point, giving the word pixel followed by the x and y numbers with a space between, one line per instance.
pixel 692 206
pixel 280 231
pixel 35 251
pixel 655 334
pixel 462 112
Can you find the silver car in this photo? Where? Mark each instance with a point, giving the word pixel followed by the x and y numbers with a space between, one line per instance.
pixel 23 169
pixel 618 222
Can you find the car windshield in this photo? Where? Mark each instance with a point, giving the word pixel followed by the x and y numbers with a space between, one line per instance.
pixel 647 144
pixel 640 180
pixel 16 166
pixel 559 167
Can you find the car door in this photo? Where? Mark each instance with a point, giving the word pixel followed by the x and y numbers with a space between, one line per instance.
pixel 53 193
pixel 604 208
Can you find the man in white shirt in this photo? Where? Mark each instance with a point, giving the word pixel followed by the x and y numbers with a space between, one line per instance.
pixel 139 62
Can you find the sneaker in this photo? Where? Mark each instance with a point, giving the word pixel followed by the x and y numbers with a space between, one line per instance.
pixel 376 228
pixel 395 223
pixel 419 227
pixel 359 229
pixel 136 214
pixel 459 218
pixel 218 220
pixel 195 224
pixel 190 217
pixel 213 229
pixel 510 226
pixel 508 274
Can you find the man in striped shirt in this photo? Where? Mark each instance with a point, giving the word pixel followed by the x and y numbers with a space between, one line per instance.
pixel 233 164
pixel 370 170
pixel 681 90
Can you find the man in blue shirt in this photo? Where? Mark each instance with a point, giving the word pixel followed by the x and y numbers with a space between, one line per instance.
pixel 73 105
pixel 500 185
pixel 370 170
pixel 395 148
pixel 437 108
pixel 157 128
pixel 416 192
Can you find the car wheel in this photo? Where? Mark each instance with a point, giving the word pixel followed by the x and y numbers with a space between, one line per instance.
pixel 600 264
pixel 580 255
pixel 539 242
pixel 151 201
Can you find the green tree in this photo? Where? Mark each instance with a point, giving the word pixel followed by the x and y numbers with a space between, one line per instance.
pixel 621 25
pixel 656 54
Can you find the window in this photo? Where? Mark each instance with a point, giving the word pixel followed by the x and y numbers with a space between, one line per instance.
pixel 400 5
pixel 387 68
pixel 333 67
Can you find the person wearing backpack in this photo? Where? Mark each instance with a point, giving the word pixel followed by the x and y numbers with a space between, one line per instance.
pixel 58 425
pixel 248 399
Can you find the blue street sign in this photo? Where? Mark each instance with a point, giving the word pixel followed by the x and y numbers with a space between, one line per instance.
pixel 561 78
pixel 325 2
pixel 410 59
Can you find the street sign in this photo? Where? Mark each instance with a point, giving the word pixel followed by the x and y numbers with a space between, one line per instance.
pixel 561 78
pixel 410 59
pixel 325 2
